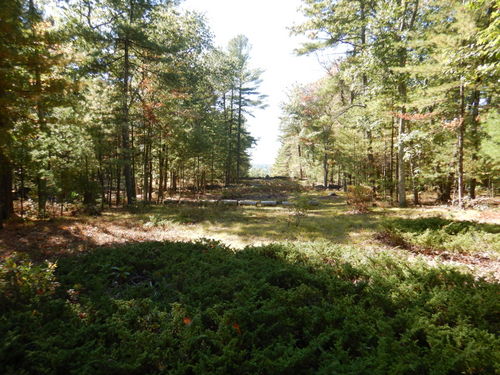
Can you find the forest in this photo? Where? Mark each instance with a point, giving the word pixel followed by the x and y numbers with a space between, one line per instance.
pixel 138 235
pixel 413 106
pixel 106 101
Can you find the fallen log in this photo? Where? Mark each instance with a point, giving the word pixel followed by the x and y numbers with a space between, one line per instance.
pixel 268 203
pixel 247 203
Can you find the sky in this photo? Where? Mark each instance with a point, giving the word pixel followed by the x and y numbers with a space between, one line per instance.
pixel 265 23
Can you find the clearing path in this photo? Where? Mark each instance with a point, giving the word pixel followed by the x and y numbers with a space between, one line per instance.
pixel 240 226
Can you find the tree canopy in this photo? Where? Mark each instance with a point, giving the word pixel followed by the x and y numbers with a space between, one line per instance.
pixel 409 107
pixel 108 102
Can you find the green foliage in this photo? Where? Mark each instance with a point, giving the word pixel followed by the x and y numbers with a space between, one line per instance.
pixel 393 97
pixel 183 308
pixel 156 221
pixel 359 197
pixel 22 282
pixel 299 209
pixel 440 234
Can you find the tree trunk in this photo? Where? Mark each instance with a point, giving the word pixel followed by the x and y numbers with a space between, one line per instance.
pixel 238 143
pixel 325 169
pixel 150 190
pixel 476 97
pixel 414 184
pixel 391 165
pixel 301 171
pixel 371 162
pixel 460 148
pixel 444 194
pixel 110 187
pixel 401 164
pixel 118 186
pixel 6 174
pixel 229 160
pixel 145 179
pixel 127 152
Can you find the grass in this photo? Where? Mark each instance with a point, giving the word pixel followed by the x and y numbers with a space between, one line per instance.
pixel 204 308
pixel 236 226
pixel 262 224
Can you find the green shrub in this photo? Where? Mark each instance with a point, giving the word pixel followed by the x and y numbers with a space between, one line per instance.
pixel 203 308
pixel 359 197
pixel 440 234
pixel 299 209
pixel 22 282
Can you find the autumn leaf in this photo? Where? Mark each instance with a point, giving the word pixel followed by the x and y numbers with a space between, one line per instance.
pixel 236 326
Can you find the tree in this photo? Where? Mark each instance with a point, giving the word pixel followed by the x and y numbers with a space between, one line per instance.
pixel 244 93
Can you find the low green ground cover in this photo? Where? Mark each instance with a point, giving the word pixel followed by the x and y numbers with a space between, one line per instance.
pixel 439 234
pixel 203 308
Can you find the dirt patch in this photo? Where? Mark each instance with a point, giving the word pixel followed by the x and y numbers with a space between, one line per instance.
pixel 49 239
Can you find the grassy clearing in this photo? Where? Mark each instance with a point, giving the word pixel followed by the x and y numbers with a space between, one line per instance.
pixel 248 225
pixel 238 227
pixel 203 308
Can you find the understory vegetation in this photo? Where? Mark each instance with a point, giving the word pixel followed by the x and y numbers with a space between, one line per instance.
pixel 439 234
pixel 186 308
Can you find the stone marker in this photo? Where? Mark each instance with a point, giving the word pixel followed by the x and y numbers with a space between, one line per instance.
pixel 287 204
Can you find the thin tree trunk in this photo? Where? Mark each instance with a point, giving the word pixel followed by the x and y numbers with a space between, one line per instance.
pixel 391 164
pixel 150 189
pixel 118 185
pixel 145 181
pixel 413 184
pixel 161 172
pixel 476 97
pixel 301 171
pixel 238 142
pixel 401 164
pixel 127 151
pixel 6 177
pixel 110 187
pixel 325 169
pixel 371 162
pixel 460 148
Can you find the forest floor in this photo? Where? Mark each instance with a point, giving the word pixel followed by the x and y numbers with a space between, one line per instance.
pixel 331 221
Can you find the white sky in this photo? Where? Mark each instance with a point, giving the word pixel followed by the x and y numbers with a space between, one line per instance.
pixel 265 23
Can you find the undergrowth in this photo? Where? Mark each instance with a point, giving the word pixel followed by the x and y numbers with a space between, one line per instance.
pixel 440 234
pixel 202 308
